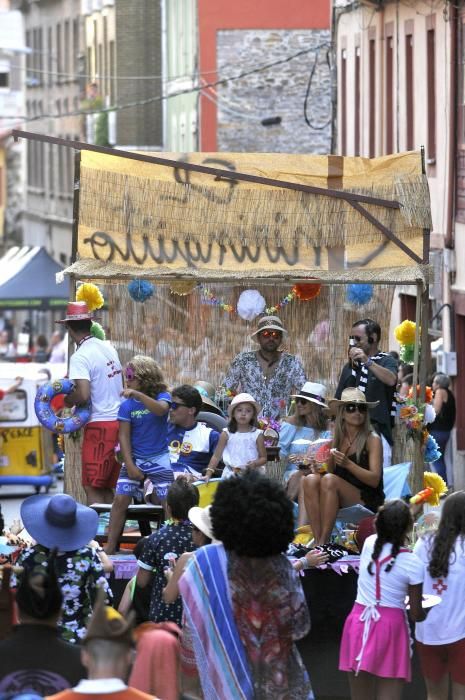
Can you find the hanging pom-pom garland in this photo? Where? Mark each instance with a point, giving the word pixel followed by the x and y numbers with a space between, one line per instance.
pixel 359 294
pixel 91 294
pixel 271 310
pixel 209 298
pixel 97 331
pixel 250 304
pixel 140 290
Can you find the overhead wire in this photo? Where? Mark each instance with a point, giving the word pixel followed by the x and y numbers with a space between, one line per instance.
pixel 160 98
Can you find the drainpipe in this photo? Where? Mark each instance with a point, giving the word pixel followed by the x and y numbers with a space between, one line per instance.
pixel 451 176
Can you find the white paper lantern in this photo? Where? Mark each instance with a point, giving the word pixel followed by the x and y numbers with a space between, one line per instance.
pixel 250 304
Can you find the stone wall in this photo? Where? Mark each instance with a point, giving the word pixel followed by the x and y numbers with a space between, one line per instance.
pixel 276 92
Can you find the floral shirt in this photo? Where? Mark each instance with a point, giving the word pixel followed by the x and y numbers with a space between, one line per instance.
pixel 271 613
pixel 80 574
pixel 160 549
pixel 272 393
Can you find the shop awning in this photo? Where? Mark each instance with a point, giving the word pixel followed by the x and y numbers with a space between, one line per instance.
pixel 27 280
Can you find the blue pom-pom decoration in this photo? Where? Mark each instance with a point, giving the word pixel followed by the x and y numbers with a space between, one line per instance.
pixel 140 290
pixel 432 451
pixel 359 294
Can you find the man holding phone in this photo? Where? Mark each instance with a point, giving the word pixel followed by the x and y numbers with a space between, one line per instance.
pixel 375 373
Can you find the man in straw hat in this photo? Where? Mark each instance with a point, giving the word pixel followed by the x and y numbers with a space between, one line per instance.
pixel 375 374
pixel 268 374
pixel 96 371
pixel 108 652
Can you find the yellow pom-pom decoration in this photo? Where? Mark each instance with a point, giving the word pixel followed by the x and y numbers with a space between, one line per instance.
pixel 405 333
pixel 91 294
pixel 437 483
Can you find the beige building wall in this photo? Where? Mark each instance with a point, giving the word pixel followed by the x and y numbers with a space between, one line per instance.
pixel 355 30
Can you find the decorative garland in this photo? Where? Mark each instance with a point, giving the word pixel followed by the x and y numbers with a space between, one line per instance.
pixel 304 292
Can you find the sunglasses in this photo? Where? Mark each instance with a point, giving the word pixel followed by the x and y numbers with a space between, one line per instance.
pixel 353 407
pixel 176 404
pixel 129 373
pixel 357 338
pixel 271 334
pixel 299 399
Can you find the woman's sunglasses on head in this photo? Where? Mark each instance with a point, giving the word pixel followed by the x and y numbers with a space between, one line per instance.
pixel 353 407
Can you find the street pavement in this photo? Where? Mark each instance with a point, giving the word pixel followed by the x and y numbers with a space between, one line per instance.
pixel 11 498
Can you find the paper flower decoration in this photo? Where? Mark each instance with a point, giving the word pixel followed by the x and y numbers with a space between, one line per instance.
pixel 428 393
pixel 405 333
pixel 140 290
pixel 429 414
pixel 359 294
pixel 97 331
pixel 407 353
pixel 435 482
pixel 91 294
pixel 307 291
pixel 432 451
pixel 250 304
pixel 182 287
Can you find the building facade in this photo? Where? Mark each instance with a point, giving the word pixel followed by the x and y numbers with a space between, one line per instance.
pixel 12 61
pixel 53 35
pixel 397 91
pixel 285 107
pixel 123 59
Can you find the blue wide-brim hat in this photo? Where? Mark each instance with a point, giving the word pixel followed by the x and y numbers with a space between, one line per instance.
pixel 59 521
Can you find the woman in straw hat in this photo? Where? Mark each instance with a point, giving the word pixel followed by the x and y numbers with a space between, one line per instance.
pixel 354 468
pixel 308 423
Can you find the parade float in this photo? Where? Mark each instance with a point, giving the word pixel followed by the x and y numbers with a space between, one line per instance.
pixel 191 249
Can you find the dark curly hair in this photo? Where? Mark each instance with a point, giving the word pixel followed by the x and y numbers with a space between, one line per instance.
pixel 393 522
pixel 188 395
pixel 252 516
pixel 451 526
pixel 181 497
pixel 39 593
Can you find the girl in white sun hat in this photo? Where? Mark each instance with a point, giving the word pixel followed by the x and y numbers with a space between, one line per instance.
pixel 241 444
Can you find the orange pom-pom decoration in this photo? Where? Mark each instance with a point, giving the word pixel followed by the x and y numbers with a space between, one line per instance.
pixel 307 291
pixel 428 393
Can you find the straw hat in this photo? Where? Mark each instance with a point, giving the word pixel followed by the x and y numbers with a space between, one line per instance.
pixel 77 311
pixel 314 392
pixel 207 392
pixel 243 398
pixel 200 517
pixel 351 395
pixel 272 323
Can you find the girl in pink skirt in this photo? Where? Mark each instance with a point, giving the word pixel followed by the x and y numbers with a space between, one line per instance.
pixel 375 646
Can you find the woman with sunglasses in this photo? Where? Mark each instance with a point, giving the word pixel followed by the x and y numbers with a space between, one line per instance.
pixel 143 437
pixel 308 423
pixel 354 473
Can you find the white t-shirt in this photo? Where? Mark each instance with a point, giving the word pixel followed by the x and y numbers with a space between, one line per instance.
pixel 407 571
pixel 446 621
pixel 97 361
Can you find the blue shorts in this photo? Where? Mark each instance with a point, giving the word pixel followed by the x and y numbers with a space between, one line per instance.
pixel 156 468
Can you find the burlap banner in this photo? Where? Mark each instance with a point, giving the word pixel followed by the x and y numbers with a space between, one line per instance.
pixel 148 219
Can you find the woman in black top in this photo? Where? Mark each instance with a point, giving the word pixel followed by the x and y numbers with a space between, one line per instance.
pixel 440 429
pixel 355 473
